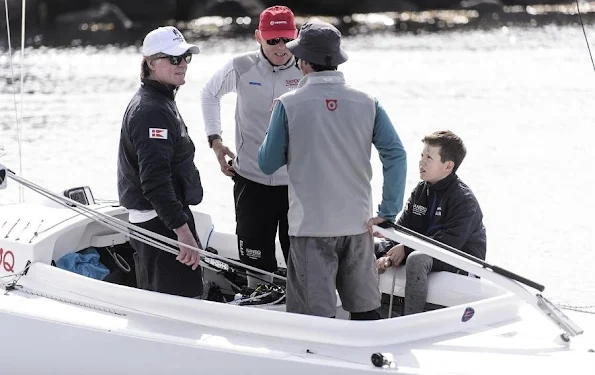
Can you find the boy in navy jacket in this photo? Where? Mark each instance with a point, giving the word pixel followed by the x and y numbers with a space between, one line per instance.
pixel 441 207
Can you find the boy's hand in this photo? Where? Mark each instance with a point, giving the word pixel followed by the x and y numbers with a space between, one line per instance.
pixel 396 255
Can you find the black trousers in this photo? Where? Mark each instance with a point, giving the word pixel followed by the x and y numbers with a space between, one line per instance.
pixel 158 270
pixel 260 210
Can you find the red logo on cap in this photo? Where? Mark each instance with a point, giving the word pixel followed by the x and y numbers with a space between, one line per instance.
pixel 331 104
pixel 277 22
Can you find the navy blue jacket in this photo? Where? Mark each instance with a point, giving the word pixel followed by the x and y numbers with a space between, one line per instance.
pixel 447 212
pixel 156 157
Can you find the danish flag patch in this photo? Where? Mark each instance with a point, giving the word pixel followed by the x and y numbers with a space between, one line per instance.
pixel 157 133
pixel 331 104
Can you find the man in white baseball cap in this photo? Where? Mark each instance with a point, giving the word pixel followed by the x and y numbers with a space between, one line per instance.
pixel 157 178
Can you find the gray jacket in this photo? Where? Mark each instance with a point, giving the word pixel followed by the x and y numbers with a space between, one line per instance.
pixel 258 84
pixel 324 132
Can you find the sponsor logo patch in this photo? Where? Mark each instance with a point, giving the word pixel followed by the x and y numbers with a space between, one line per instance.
pixel 255 83
pixel 331 104
pixel 7 260
pixel 419 210
pixel 468 314
pixel 157 133
pixel 253 253
pixel 292 82
pixel 250 253
pixel 178 37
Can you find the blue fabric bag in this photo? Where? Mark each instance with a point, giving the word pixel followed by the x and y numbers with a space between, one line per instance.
pixel 85 262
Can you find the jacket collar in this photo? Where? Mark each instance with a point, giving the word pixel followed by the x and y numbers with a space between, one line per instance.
pixel 266 62
pixel 442 184
pixel 324 77
pixel 167 90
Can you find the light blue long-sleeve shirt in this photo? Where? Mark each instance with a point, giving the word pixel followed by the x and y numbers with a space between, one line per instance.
pixel 273 154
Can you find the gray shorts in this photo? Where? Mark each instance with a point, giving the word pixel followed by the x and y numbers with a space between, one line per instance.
pixel 320 265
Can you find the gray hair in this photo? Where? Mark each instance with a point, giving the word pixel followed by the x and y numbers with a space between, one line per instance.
pixel 145 71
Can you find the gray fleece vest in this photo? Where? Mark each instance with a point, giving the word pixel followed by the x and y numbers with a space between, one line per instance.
pixel 258 84
pixel 330 127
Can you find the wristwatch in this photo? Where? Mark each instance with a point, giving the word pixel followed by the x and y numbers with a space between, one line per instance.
pixel 211 138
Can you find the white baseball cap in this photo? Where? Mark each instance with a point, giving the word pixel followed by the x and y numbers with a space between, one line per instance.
pixel 168 40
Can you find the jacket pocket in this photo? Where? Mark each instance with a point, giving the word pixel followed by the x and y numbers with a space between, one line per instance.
pixel 189 184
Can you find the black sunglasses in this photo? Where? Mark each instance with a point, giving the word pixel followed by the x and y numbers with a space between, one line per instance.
pixel 176 60
pixel 275 41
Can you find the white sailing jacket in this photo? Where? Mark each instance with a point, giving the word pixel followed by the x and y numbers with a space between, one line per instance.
pixel 258 84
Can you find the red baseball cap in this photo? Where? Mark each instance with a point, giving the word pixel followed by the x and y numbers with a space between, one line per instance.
pixel 277 22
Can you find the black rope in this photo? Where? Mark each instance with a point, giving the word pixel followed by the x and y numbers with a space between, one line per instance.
pixel 580 17
pixel 236 270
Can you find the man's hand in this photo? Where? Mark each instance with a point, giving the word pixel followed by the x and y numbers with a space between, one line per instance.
pixel 375 221
pixel 221 151
pixel 187 256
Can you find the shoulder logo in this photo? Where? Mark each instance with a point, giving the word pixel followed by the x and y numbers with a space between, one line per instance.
pixel 157 133
pixel 331 104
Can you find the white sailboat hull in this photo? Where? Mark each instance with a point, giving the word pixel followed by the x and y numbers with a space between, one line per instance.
pixel 42 335
pixel 56 321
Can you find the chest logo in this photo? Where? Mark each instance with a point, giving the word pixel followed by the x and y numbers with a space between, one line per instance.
pixel 438 211
pixel 157 133
pixel 291 82
pixel 419 210
pixel 331 104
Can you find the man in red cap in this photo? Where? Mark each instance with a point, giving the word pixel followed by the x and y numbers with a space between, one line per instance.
pixel 258 78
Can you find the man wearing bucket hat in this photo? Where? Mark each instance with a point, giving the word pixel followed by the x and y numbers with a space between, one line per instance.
pixel 157 178
pixel 323 132
pixel 258 78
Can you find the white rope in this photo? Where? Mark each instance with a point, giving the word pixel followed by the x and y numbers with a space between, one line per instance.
pixel 14 89
pixel 392 294
pixel 156 240
pixel 19 125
